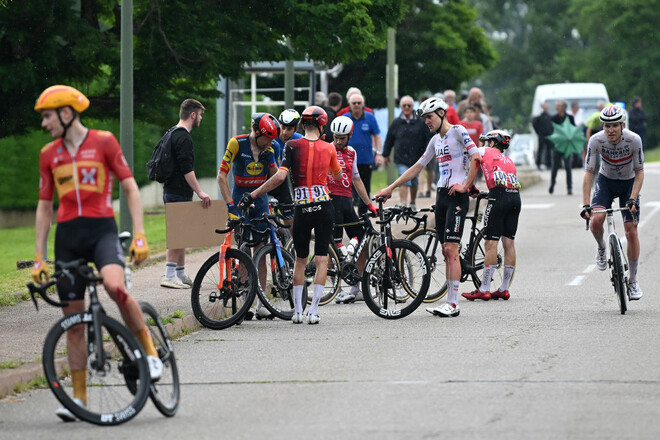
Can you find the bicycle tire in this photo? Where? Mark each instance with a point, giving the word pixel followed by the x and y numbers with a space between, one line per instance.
pixel 333 280
pixel 113 397
pixel 165 393
pixel 478 257
pixel 402 297
pixel 427 239
pixel 278 301
pixel 219 308
pixel 617 271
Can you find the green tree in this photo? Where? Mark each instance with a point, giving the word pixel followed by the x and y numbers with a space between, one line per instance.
pixel 438 46
pixel 180 47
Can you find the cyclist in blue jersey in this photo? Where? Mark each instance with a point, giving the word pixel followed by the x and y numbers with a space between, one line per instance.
pixel 289 120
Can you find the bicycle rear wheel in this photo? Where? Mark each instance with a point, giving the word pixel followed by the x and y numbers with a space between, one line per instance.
pixel 617 271
pixel 220 303
pixel 164 392
pixel 116 391
pixel 478 258
pixel 395 290
pixel 427 240
pixel 333 280
pixel 275 284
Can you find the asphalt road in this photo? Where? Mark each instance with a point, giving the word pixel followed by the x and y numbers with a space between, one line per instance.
pixel 555 361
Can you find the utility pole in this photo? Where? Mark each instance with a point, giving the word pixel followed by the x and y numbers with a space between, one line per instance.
pixel 392 87
pixel 126 105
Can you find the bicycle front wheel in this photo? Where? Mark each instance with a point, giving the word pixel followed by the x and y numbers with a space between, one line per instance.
pixel 618 273
pixel 393 287
pixel 478 259
pixel 115 388
pixel 164 392
pixel 427 239
pixel 220 303
pixel 275 285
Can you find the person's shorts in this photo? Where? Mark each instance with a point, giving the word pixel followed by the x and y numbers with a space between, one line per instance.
pixel 283 195
pixel 401 168
pixel 93 239
pixel 501 214
pixel 259 208
pixel 606 190
pixel 345 213
pixel 450 213
pixel 319 217
pixel 173 198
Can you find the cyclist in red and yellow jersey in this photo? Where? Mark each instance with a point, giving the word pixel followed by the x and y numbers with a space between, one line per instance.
pixel 80 164
pixel 308 159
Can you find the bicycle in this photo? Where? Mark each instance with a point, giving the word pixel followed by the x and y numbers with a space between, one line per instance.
pixel 471 256
pixel 226 284
pixel 276 281
pixel 117 374
pixel 397 274
pixel 618 261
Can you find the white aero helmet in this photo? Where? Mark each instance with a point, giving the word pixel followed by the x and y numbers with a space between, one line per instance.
pixel 431 105
pixel 342 125
pixel 612 113
pixel 290 117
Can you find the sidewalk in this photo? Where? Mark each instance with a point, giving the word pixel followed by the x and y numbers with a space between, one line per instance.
pixel 23 329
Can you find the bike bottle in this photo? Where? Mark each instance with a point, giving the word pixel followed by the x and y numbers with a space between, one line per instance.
pixel 351 245
pixel 343 253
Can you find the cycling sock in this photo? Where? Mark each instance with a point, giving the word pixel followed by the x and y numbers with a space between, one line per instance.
pixel 506 278
pixel 147 343
pixel 452 296
pixel 79 384
pixel 297 299
pixel 355 289
pixel 318 292
pixel 170 269
pixel 181 271
pixel 485 280
pixel 601 243
pixel 632 277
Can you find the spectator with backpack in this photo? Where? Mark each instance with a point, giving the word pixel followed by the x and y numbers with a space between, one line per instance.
pixel 181 184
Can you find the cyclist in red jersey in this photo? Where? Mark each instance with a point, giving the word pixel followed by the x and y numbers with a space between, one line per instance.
pixel 342 195
pixel 501 214
pixel 80 164
pixel 308 159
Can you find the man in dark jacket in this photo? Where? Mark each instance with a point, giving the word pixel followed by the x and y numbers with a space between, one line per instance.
pixel 543 127
pixel 637 119
pixel 408 135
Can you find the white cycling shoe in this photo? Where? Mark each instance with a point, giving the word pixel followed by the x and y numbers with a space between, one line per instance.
pixel 297 318
pixel 601 259
pixel 344 297
pixel 634 291
pixel 66 415
pixel 155 367
pixel 445 311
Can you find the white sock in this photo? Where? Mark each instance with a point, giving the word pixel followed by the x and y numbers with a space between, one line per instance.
pixel 452 295
pixel 632 276
pixel 487 276
pixel 506 278
pixel 355 289
pixel 601 243
pixel 170 269
pixel 318 293
pixel 181 271
pixel 297 299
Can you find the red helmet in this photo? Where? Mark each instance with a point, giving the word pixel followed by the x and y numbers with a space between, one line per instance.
pixel 315 114
pixel 266 124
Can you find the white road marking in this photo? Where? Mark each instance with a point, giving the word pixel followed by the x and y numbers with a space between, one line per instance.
pixel 537 205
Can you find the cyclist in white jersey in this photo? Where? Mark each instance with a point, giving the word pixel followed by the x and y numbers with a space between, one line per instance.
pixel 457 157
pixel 621 175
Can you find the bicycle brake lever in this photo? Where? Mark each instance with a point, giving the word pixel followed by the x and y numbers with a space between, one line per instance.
pixel 34 300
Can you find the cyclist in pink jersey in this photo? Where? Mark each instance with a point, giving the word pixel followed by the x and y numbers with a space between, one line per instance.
pixel 308 159
pixel 342 195
pixel 456 154
pixel 501 214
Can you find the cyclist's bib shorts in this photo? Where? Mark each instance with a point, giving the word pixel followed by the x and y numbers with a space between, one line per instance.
pixel 502 212
pixel 283 195
pixel 345 213
pixel 317 216
pixel 450 213
pixel 95 240
pixel 606 190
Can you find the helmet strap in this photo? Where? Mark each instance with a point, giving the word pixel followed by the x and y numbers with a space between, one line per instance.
pixel 65 127
pixel 442 120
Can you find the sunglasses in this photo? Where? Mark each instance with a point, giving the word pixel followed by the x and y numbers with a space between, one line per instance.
pixel 406 105
pixel 356 103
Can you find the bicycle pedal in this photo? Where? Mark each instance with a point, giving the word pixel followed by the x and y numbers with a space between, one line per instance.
pixel 248 316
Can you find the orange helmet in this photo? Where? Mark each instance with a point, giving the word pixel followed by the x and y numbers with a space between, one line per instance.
pixel 315 114
pixel 61 96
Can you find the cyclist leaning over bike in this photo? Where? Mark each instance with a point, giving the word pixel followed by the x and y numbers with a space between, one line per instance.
pixel 457 158
pixel 252 160
pixel 341 193
pixel 80 164
pixel 501 214
pixel 308 159
pixel 621 175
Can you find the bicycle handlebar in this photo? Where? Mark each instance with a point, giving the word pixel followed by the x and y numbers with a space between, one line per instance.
pixel 610 211
pixel 62 269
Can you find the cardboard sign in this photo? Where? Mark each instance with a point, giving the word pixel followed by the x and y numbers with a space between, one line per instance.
pixel 189 225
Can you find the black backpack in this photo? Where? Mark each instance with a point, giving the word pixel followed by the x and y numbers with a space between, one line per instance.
pixel 161 166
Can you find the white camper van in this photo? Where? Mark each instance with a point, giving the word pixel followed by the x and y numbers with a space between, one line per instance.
pixel 587 94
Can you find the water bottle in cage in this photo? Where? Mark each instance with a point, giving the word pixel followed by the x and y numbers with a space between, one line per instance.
pixel 343 252
pixel 352 245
